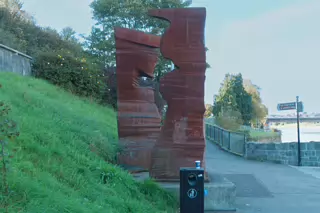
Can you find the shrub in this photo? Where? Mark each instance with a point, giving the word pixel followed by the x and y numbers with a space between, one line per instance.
pixel 111 91
pixel 229 119
pixel 61 62
pixel 76 75
pixel 10 40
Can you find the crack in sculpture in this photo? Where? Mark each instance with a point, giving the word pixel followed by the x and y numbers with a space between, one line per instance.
pixel 138 115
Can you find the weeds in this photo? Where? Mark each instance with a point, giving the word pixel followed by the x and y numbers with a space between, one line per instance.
pixel 8 132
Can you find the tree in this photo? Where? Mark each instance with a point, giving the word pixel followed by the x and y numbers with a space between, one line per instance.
pixel 233 97
pixel 130 14
pixel 13 5
pixel 68 34
pixel 208 111
pixel 15 8
pixel 57 57
pixel 243 99
pixel 31 39
pixel 225 98
pixel 260 111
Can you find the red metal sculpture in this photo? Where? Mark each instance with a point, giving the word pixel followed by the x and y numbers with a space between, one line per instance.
pixel 138 116
pixel 181 142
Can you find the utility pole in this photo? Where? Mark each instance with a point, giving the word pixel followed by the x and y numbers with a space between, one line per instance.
pixel 298 131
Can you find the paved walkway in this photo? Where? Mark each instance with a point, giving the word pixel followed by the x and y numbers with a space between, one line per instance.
pixel 266 187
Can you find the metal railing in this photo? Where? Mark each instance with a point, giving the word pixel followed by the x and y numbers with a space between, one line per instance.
pixel 233 142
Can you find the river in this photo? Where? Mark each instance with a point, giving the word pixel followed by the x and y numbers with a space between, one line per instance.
pixel 289 134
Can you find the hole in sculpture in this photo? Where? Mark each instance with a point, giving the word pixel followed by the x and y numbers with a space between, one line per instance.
pixel 144 80
pixel 173 67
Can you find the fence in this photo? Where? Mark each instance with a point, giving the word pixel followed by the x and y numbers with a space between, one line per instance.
pixel 233 142
pixel 14 61
pixel 277 152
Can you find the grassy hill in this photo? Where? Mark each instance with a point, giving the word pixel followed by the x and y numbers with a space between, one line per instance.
pixel 62 160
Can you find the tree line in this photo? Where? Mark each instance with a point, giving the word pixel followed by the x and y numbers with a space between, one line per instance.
pixel 84 68
pixel 237 103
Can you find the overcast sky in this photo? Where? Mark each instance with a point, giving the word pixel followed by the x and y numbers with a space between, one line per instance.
pixel 275 43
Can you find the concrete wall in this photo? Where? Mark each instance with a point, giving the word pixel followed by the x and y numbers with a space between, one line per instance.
pixel 284 153
pixel 14 61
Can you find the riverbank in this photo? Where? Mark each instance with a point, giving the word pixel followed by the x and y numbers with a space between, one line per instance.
pixel 264 136
pixel 294 125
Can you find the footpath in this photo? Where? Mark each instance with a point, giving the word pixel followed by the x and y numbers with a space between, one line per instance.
pixel 264 187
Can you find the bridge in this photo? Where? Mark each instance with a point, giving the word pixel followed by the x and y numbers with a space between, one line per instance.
pixel 292 119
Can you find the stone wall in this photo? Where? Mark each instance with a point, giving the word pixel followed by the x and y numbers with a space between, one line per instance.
pixel 14 61
pixel 284 153
pixel 277 152
pixel 267 139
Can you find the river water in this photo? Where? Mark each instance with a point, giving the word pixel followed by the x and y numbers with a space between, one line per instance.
pixel 307 134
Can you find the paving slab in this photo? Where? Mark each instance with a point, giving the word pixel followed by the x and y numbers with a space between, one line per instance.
pixel 313 171
pixel 264 187
pixel 221 192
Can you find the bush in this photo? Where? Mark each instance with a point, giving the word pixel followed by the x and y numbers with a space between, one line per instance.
pixel 10 40
pixel 229 119
pixel 25 36
pixel 76 75
pixel 61 62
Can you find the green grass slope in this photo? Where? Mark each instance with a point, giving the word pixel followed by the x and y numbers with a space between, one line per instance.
pixel 62 160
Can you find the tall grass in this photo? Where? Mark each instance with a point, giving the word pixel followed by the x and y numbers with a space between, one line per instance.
pixel 63 159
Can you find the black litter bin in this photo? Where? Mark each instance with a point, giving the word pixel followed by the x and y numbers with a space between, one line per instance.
pixel 192 189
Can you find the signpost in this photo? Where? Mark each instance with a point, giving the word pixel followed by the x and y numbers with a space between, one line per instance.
pixel 291 106
pixel 298 106
pixel 298 131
